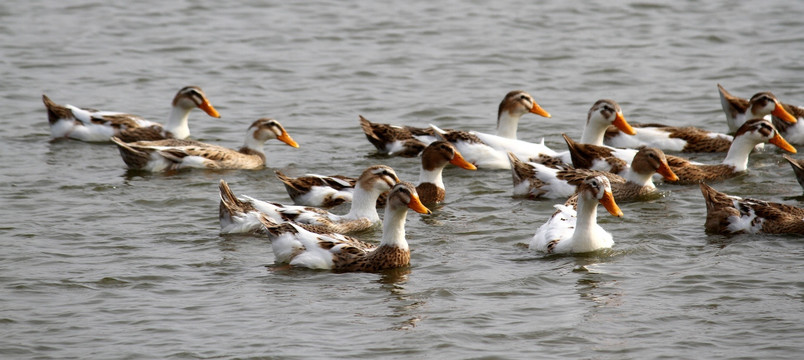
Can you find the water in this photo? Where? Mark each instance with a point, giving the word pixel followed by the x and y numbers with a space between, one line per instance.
pixel 101 263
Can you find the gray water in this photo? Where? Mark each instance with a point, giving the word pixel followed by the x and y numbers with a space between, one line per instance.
pixel 98 262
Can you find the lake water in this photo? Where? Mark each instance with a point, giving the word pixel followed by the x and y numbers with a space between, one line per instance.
pixel 101 263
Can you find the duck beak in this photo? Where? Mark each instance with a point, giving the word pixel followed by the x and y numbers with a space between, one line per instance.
pixel 285 138
pixel 779 141
pixel 781 113
pixel 536 109
pixel 623 125
pixel 207 107
pixel 666 171
pixel 608 202
pixel 416 205
pixel 459 161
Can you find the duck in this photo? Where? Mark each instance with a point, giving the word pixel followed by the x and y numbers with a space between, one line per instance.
pixel 798 168
pixel 326 191
pixel 175 154
pixel 490 151
pixel 636 183
pixel 68 121
pixel 751 133
pixel 784 117
pixel 576 231
pixel 298 247
pixel 241 215
pixel 410 141
pixel 730 215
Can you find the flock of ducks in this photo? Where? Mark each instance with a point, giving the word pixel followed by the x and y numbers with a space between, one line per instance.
pixel 614 159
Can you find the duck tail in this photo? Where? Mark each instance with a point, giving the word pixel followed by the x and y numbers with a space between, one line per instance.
pixel 56 112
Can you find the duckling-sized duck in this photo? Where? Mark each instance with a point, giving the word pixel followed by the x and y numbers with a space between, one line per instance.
pixel 728 215
pixel 490 151
pixel 753 132
pixel 91 125
pixel 539 181
pixel 410 141
pixel 323 191
pixel 242 215
pixel 577 231
pixel 298 247
pixel 175 154
pixel 798 168
pixel 784 117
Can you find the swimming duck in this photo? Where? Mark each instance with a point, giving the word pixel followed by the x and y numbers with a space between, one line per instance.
pixel 729 215
pixel 175 154
pixel 784 117
pixel 236 217
pixel 91 125
pixel 537 180
pixel 298 247
pixel 571 231
pixel 410 141
pixel 324 191
pixel 751 133
pixel 798 168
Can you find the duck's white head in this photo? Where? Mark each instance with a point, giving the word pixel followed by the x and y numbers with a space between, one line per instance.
pixel 190 97
pixel 764 103
pixel 265 129
pixel 599 188
pixel 608 112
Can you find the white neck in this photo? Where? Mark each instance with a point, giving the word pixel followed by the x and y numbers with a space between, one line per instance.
pixel 177 122
pixel 431 176
pixel 364 204
pixel 507 125
pixel 593 133
pixel 393 227
pixel 640 179
pixel 738 154
pixel 585 237
pixel 254 144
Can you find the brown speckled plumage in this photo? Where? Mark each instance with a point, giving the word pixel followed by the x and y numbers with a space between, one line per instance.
pixel 723 210
pixel 798 168
pixel 429 193
pixel 584 155
pixel 380 135
pixel 697 140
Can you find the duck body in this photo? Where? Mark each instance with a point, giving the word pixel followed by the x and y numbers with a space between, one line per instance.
pixel 176 154
pixel 576 231
pixel 393 140
pixel 729 215
pixel 238 218
pixel 750 134
pixel 686 139
pixel 298 247
pixel 68 121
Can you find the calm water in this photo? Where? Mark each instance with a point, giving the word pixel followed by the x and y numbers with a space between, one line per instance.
pixel 97 262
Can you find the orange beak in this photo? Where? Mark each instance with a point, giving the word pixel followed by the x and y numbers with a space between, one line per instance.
pixel 781 113
pixel 667 172
pixel 623 125
pixel 459 161
pixel 779 141
pixel 207 107
pixel 608 202
pixel 416 205
pixel 536 109
pixel 285 138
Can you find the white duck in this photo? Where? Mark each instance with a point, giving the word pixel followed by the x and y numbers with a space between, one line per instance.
pixel 410 141
pixel 486 150
pixel 242 215
pixel 571 231
pixel 175 154
pixel 91 125
pixel 294 245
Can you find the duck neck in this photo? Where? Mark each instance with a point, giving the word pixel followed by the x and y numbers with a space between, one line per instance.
pixel 507 125
pixel 586 221
pixel 252 146
pixel 393 227
pixel 364 204
pixel 639 179
pixel 432 176
pixel 593 133
pixel 738 153
pixel 177 122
